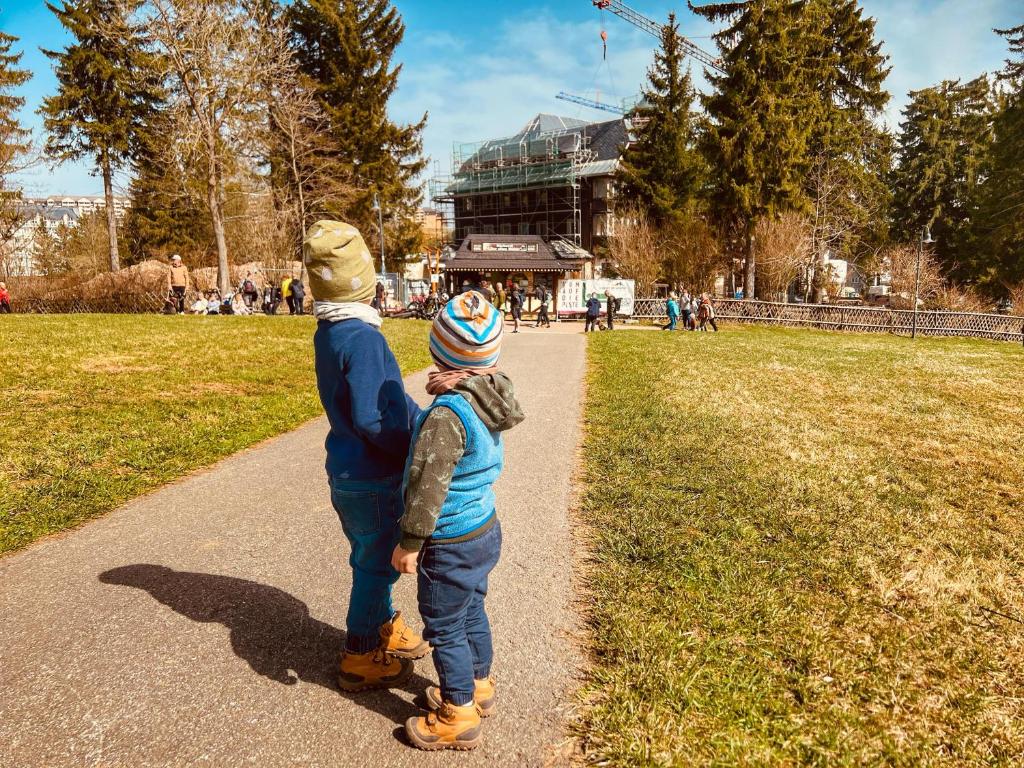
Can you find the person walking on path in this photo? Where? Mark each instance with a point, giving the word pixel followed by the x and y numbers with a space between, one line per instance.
pixel 451 536
pixel 542 313
pixel 379 293
pixel 371 419
pixel 706 313
pixel 593 313
pixel 612 307
pixel 298 296
pixel 5 299
pixel 672 308
pixel 500 297
pixel 516 302
pixel 178 282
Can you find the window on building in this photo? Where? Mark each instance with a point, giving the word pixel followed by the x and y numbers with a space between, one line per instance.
pixel 506 229
pixel 506 200
pixel 524 227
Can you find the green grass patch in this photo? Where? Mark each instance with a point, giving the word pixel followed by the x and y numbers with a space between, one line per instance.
pixel 807 550
pixel 98 409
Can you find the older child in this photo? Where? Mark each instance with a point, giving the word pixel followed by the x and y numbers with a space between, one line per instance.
pixel 451 537
pixel 371 425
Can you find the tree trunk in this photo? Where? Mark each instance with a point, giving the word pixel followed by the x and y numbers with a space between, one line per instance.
pixel 749 265
pixel 108 194
pixel 217 219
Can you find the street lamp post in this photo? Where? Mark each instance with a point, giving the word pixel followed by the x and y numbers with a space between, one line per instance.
pixel 926 239
pixel 380 224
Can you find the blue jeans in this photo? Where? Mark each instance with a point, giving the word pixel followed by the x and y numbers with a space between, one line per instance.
pixel 452 585
pixel 369 512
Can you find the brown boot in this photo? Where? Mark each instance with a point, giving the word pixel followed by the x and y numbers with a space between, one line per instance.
pixel 376 669
pixel 400 640
pixel 450 727
pixel 483 697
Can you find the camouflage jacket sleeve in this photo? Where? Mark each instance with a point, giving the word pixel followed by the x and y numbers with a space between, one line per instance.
pixel 438 449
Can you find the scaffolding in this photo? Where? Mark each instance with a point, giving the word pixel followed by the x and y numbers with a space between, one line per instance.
pixel 519 179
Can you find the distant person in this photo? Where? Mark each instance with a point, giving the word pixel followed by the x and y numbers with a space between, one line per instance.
pixel 286 292
pixel 199 306
pixel 298 297
pixel 240 305
pixel 542 314
pixel 686 309
pixel 248 291
pixel 5 300
pixel 516 302
pixel 485 289
pixel 500 297
pixel 178 282
pixel 612 306
pixel 379 297
pixel 593 313
pixel 672 308
pixel 706 314
pixel 212 303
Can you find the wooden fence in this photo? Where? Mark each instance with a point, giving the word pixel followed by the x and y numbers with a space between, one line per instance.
pixel 864 319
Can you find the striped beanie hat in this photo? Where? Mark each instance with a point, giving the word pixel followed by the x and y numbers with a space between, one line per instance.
pixel 466 333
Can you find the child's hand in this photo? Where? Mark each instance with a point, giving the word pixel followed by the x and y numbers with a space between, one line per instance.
pixel 404 561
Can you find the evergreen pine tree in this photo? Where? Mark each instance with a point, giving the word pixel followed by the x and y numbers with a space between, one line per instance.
pixel 15 140
pixel 758 117
pixel 108 90
pixel 849 152
pixel 347 49
pixel 661 168
pixel 942 150
pixel 999 223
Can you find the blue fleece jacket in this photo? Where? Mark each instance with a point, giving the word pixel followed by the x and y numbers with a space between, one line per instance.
pixel 361 389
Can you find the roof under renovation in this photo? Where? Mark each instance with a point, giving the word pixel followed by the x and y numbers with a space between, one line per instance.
pixel 548 150
pixel 525 253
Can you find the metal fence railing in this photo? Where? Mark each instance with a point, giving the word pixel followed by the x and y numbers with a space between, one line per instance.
pixel 835 317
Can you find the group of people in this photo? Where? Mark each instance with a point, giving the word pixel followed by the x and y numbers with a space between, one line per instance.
pixel 593 317
pixel 413 488
pixel 513 301
pixel 696 312
pixel 242 301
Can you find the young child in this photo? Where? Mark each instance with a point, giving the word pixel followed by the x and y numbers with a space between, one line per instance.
pixel 451 537
pixel 371 421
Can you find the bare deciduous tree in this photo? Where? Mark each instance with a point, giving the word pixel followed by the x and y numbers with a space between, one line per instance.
pixel 900 262
pixel 692 251
pixel 783 245
pixel 634 248
pixel 221 56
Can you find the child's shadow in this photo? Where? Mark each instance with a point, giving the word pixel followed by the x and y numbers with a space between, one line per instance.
pixel 270 629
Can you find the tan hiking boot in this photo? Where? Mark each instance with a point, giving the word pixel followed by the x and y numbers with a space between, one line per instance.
pixel 400 640
pixel 483 697
pixel 376 669
pixel 450 727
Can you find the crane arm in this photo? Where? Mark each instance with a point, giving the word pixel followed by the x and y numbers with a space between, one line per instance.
pixel 652 27
pixel 590 103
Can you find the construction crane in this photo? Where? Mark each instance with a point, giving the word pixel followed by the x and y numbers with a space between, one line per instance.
pixel 652 27
pixel 590 103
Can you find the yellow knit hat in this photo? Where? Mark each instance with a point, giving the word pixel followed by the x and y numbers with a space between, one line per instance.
pixel 338 262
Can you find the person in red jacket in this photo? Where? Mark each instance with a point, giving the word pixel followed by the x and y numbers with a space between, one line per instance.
pixel 5 300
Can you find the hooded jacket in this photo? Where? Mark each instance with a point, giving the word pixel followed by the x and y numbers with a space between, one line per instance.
pixel 456 457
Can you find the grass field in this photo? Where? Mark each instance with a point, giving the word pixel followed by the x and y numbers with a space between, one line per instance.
pixel 98 409
pixel 808 549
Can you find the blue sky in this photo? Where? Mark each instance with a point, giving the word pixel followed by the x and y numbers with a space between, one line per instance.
pixel 482 69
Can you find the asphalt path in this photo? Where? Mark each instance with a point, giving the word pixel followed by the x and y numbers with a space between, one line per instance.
pixel 200 625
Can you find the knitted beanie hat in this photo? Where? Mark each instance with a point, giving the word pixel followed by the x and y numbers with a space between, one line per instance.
pixel 466 333
pixel 338 262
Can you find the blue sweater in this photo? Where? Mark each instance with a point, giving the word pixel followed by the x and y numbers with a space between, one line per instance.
pixel 361 389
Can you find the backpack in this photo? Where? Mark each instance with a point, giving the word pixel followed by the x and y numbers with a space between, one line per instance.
pixel 618 304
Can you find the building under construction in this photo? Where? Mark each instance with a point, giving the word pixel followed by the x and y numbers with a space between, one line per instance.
pixel 552 179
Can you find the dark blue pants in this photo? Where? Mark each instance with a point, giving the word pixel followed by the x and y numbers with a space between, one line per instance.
pixel 452 585
pixel 369 511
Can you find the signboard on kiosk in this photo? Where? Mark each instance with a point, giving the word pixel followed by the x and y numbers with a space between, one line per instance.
pixel 573 295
